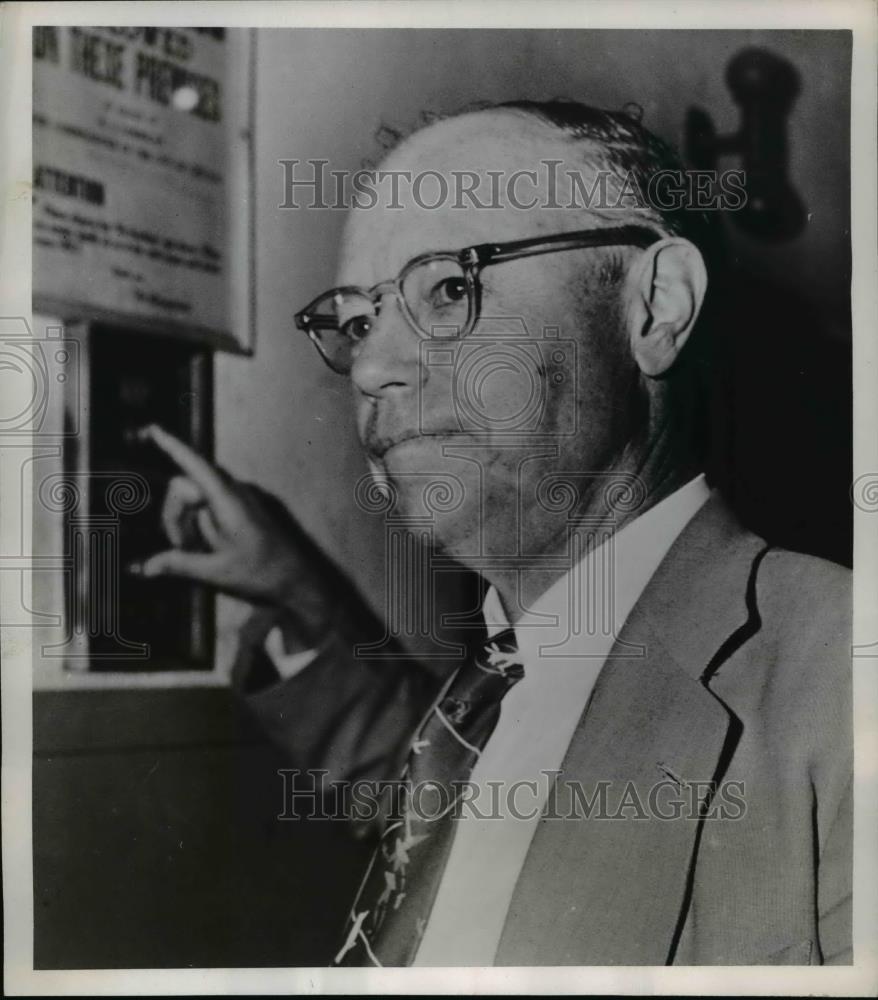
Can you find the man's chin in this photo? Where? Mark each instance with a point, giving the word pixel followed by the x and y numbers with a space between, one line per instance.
pixel 428 476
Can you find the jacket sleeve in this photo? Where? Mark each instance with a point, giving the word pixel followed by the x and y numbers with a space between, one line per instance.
pixel 823 626
pixel 344 713
pixel 834 887
pixel 812 613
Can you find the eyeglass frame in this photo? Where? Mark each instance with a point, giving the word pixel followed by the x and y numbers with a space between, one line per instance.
pixel 473 260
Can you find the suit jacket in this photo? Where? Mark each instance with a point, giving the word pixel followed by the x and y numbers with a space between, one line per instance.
pixel 742 697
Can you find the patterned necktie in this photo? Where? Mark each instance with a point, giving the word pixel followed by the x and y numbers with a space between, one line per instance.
pixel 389 915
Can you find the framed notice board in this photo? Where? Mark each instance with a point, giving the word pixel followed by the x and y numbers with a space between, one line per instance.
pixel 142 179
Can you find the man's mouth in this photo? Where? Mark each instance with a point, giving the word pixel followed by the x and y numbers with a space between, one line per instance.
pixel 378 449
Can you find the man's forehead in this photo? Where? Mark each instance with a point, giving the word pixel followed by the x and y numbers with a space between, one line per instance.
pixel 465 151
pixel 480 141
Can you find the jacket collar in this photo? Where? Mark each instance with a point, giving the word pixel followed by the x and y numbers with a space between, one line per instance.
pixel 698 597
pixel 601 891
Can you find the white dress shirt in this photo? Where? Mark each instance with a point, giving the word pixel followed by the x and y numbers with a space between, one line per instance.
pixel 563 642
pixel 286 664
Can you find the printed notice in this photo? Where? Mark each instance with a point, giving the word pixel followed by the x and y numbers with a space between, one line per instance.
pixel 132 172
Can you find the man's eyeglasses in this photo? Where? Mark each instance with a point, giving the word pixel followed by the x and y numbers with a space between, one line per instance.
pixel 439 293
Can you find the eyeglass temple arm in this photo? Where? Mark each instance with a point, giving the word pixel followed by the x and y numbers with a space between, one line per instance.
pixel 494 253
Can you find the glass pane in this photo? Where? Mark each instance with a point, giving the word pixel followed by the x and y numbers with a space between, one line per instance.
pixel 337 322
pixel 438 297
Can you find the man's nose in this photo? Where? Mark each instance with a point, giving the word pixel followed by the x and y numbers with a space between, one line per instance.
pixel 387 360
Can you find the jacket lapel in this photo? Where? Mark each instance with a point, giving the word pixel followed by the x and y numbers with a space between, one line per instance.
pixel 608 886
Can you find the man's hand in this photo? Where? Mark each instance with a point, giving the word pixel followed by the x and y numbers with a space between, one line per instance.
pixel 236 537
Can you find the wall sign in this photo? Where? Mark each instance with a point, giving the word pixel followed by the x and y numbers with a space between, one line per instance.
pixel 142 178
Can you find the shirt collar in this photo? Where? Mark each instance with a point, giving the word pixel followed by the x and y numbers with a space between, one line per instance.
pixel 637 550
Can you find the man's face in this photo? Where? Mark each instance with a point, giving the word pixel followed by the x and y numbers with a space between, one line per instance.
pixel 542 386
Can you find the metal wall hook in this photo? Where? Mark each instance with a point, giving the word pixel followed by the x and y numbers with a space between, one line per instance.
pixel 765 87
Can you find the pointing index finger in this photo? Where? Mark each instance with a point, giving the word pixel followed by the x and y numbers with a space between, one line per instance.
pixel 216 489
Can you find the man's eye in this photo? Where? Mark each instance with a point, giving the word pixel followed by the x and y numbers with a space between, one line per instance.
pixel 357 327
pixel 448 292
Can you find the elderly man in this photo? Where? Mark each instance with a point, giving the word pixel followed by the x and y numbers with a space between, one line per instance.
pixel 658 701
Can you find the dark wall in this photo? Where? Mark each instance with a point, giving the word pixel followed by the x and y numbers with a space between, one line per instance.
pixel 157 843
pixel 781 414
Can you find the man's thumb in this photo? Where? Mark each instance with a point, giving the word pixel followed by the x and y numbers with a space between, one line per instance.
pixel 175 562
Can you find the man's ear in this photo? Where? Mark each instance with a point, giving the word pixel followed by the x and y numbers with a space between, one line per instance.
pixel 665 291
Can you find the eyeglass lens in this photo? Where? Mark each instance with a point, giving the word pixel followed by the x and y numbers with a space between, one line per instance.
pixel 437 298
